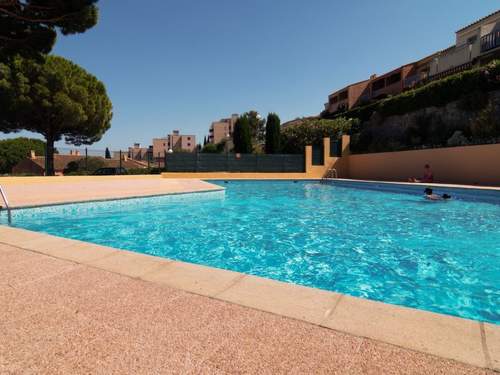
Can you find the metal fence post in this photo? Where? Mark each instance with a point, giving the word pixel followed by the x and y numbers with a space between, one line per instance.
pixel 165 160
pixel 86 160
pixel 120 160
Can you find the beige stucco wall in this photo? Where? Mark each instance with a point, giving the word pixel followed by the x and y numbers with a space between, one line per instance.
pixel 457 165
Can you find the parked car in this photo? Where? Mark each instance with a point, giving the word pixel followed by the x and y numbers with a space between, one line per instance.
pixel 109 171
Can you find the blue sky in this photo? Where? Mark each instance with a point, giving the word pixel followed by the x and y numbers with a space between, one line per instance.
pixel 181 64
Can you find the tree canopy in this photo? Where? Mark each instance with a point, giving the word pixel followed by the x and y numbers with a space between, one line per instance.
pixel 12 151
pixel 30 27
pixel 53 97
pixel 273 130
pixel 242 138
pixel 312 131
pixel 257 127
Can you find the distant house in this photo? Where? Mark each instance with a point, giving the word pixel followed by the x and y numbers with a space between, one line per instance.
pixel 175 142
pixel 35 165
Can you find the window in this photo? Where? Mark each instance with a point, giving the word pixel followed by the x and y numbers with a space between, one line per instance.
pixel 189 144
pixel 189 138
pixel 334 100
pixel 343 95
pixel 394 78
pixel 472 39
pixel 377 85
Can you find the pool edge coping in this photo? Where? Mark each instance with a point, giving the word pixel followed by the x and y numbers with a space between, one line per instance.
pixel 445 336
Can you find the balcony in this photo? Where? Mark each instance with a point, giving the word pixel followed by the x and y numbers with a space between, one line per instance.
pixel 490 41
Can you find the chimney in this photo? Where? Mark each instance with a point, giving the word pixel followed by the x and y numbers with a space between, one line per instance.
pixel 32 154
pixel 124 157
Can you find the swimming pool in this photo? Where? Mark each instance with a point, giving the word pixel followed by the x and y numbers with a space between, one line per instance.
pixel 381 245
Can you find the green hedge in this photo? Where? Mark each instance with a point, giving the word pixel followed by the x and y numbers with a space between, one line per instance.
pixel 434 94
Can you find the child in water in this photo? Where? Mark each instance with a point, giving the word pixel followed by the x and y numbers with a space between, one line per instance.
pixel 434 197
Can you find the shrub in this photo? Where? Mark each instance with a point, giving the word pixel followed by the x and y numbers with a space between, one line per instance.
pixel 84 166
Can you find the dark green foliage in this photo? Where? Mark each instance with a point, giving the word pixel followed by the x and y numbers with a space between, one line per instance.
pixel 273 134
pixel 210 148
pixel 474 101
pixel 142 171
pixel 53 97
pixel 486 126
pixel 12 151
pixel 242 138
pixel 312 131
pixel 84 166
pixel 107 154
pixel 29 27
pixel 434 94
pixel 257 127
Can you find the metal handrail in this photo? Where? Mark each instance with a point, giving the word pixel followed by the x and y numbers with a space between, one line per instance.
pixel 331 173
pixel 9 213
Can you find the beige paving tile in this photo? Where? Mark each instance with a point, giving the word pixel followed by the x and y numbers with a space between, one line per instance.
pixel 437 334
pixel 129 263
pixel 311 305
pixel 492 338
pixel 44 243
pixel 193 278
pixel 16 236
pixel 80 252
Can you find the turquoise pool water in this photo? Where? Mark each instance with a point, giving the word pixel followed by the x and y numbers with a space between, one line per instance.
pixel 392 247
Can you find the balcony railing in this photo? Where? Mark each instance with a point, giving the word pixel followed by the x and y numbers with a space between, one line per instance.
pixel 490 41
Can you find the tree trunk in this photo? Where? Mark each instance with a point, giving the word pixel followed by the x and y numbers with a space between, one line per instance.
pixel 49 156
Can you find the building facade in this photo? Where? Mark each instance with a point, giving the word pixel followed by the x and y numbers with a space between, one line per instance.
pixel 175 142
pixel 140 153
pixel 475 44
pixel 222 129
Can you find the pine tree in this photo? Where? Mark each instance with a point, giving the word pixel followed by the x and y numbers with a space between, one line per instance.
pixel 107 154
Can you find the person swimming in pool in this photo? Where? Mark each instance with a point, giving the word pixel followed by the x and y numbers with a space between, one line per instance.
pixel 429 194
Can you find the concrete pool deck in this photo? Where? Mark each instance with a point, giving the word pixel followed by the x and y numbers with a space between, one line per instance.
pixel 69 306
pixel 40 191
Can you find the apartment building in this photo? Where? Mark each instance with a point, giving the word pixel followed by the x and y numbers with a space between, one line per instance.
pixel 140 153
pixel 173 142
pixel 475 44
pixel 222 129
pixel 350 96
